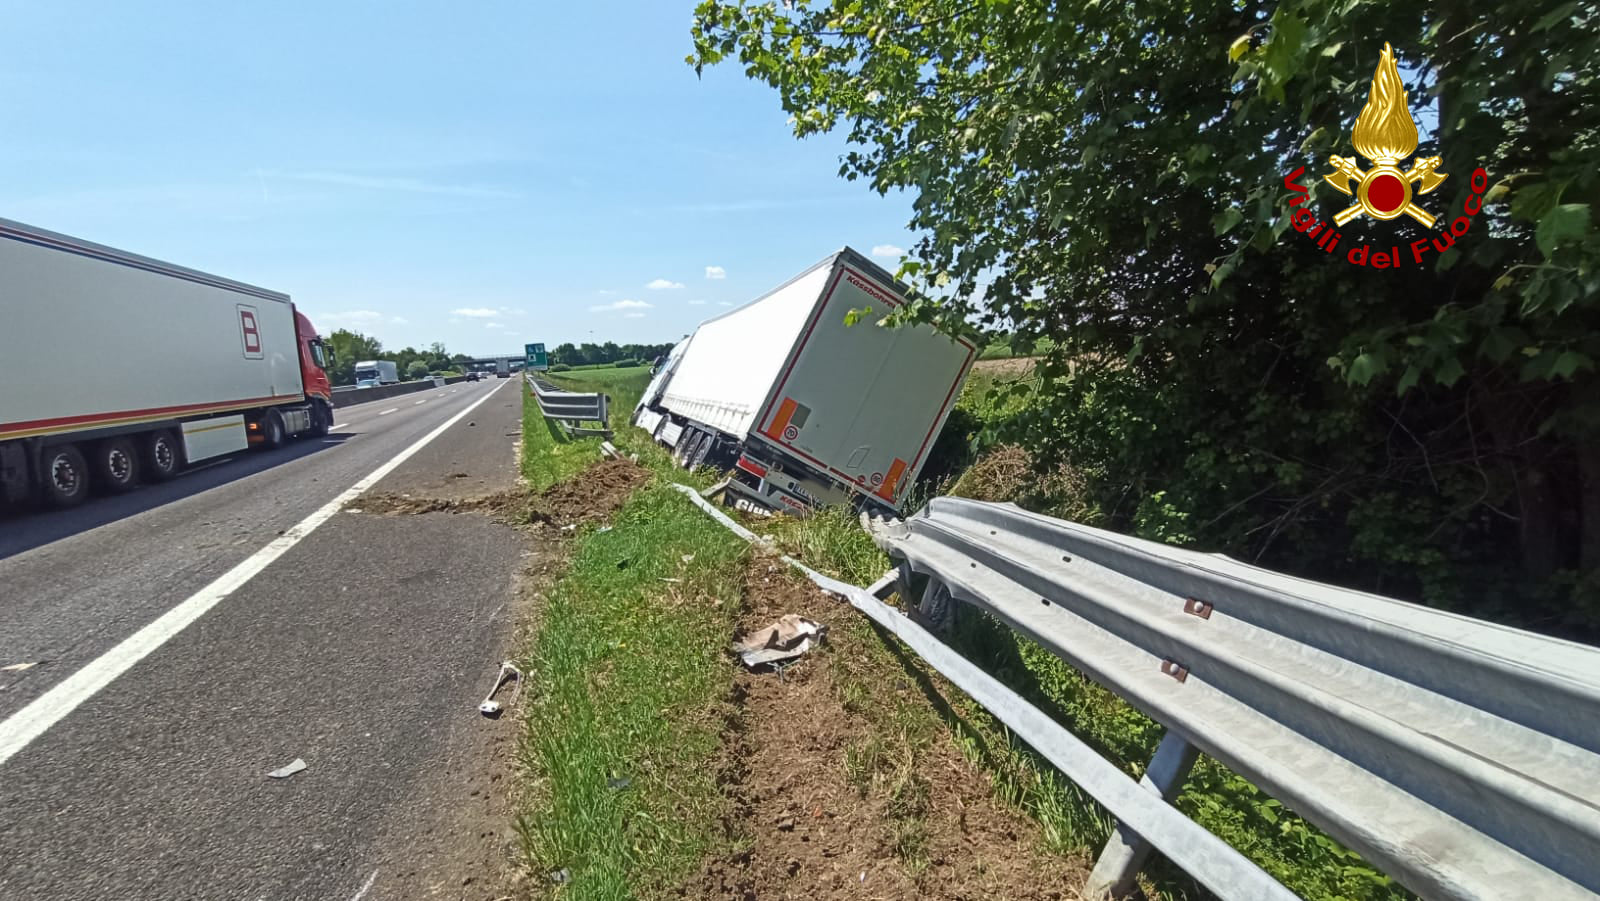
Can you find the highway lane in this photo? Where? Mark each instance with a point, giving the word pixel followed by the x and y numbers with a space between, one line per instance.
pixel 361 649
pixel 79 581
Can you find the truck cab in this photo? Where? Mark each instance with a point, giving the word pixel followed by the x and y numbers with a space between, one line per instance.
pixel 314 360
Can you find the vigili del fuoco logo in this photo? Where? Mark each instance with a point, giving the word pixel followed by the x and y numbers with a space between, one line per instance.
pixel 1386 135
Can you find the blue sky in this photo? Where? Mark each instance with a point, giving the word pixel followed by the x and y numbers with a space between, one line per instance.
pixel 483 174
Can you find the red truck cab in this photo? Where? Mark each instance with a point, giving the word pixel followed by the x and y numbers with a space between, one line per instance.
pixel 313 361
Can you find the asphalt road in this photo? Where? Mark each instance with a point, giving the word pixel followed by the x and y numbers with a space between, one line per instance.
pixel 362 649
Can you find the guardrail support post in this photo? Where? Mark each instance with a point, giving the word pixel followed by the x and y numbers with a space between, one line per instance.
pixel 1125 852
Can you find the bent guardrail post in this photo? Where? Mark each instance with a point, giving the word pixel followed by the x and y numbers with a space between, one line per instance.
pixel 570 410
pixel 1125 851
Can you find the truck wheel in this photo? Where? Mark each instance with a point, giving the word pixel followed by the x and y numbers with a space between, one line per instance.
pixel 64 477
pixel 272 430
pixel 321 419
pixel 116 465
pixel 161 456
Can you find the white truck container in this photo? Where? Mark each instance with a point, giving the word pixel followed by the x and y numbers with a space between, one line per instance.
pixel 807 409
pixel 183 366
pixel 372 373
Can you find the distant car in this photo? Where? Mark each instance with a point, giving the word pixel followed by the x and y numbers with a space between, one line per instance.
pixel 472 376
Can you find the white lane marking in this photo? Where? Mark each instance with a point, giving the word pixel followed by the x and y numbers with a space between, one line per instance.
pixel 388 411
pixel 27 724
pixel 338 425
pixel 420 402
pixel 366 888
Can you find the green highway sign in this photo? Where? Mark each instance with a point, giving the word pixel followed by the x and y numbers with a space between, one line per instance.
pixel 537 360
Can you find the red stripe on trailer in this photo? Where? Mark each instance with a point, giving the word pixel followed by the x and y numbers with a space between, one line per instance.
pixel 755 469
pixel 63 423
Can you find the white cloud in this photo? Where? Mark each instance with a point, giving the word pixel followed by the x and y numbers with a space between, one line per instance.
pixel 716 272
pixel 633 316
pixel 476 312
pixel 697 303
pixel 607 292
pixel 724 303
pixel 662 284
pixel 888 250
pixel 492 325
pixel 620 305
pixel 351 317
pixel 399 320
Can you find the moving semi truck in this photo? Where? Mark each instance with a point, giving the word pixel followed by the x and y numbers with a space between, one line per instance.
pixel 806 409
pixel 372 373
pixel 188 366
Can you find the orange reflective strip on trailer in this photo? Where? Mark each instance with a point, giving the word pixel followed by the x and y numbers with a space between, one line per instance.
pixel 896 470
pixel 781 421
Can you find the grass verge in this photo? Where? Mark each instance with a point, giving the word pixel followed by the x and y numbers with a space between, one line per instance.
pixel 548 454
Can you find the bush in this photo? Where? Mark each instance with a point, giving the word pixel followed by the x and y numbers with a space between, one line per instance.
pixel 624 364
pixel 416 370
pixel 560 367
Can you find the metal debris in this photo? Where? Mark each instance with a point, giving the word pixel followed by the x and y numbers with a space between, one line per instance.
pixel 490 707
pixel 288 769
pixel 789 637
pixel 18 667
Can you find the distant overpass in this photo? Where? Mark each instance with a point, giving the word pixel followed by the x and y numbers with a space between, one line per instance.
pixel 517 360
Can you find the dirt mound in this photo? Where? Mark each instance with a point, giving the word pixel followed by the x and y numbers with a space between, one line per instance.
pixel 591 496
pixel 817 828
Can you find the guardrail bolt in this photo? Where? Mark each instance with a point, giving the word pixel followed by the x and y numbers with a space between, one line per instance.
pixel 1175 669
pixel 1197 607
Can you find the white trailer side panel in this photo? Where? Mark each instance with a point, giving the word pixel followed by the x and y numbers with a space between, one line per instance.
pixel 733 360
pixel 92 336
pixel 865 402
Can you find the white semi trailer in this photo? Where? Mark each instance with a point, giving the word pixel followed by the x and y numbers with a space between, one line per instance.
pixel 807 409
pixel 186 366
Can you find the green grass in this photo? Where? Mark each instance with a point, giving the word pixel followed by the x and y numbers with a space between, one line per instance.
pixel 632 681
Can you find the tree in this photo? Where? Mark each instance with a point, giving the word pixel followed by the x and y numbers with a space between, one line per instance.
pixel 1113 176
pixel 564 353
pixel 350 348
pixel 416 370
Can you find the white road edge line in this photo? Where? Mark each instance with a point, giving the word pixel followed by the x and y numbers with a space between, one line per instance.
pixel 388 411
pixel 32 721
pixel 367 887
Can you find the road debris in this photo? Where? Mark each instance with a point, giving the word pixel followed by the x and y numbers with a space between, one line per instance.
pixel 789 637
pixel 619 784
pixel 561 876
pixel 490 707
pixel 18 667
pixel 602 529
pixel 288 769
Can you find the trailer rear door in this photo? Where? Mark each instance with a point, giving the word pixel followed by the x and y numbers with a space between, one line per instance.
pixel 865 402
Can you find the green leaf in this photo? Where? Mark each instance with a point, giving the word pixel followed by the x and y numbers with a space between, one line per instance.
pixel 1568 362
pixel 1239 47
pixel 1554 16
pixel 1364 367
pixel 1407 380
pixel 1224 222
pixel 1532 201
pixel 1449 372
pixel 1567 221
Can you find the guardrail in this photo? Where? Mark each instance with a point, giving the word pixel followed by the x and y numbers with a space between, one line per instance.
pixel 347 396
pixel 1460 757
pixel 570 410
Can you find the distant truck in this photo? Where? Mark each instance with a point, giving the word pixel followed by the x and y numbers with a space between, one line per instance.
pixel 807 410
pixel 372 373
pixel 502 368
pixel 189 366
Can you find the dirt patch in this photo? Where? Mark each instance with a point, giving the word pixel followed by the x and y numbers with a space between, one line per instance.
pixel 591 496
pixel 813 817
pixel 1011 366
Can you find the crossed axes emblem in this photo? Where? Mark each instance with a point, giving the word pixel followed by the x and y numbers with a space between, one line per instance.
pixel 1424 172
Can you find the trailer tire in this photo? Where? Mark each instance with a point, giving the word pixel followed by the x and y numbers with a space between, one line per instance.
pixel 273 434
pixel 162 457
pixel 116 465
pixel 64 476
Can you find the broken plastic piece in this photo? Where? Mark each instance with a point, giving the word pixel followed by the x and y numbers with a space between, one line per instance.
pixel 789 637
pixel 18 667
pixel 288 769
pixel 490 707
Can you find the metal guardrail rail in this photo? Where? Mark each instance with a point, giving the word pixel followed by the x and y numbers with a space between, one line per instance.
pixel 571 410
pixel 1460 757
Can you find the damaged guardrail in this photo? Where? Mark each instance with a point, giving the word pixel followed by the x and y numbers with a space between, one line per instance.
pixel 1460 757
pixel 571 410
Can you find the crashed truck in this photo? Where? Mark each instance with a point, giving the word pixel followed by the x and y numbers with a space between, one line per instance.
pixel 805 409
